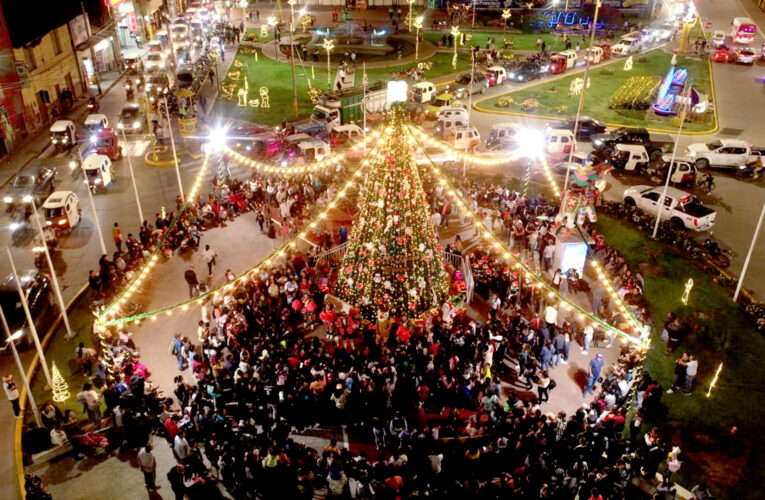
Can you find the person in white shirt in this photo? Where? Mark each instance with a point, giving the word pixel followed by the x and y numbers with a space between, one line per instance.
pixel 208 256
pixel 58 437
pixel 148 465
pixel 587 338
pixel 690 371
pixel 551 318
pixel 181 446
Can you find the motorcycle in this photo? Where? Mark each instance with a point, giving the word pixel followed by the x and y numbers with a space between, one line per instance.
pixel 93 105
pixel 129 90
pixel 707 185
pixel 720 256
pixel 74 169
pixel 749 172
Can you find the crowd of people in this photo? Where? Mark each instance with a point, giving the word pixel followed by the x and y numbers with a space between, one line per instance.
pixel 437 406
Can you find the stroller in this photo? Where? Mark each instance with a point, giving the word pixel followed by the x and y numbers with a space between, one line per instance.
pixel 93 441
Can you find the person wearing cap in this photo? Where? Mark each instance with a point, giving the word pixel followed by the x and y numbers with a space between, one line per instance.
pixel 593 373
pixel 12 393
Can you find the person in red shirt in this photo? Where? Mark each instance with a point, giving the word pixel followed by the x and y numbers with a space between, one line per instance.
pixel 171 426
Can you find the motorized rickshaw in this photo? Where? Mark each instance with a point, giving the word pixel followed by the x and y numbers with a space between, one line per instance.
pixel 265 145
pixel 62 210
pixel 99 172
pixel 107 143
pixel 94 123
pixel 63 134
pixel 133 65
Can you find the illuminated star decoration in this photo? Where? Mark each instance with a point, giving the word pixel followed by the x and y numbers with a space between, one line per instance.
pixel 506 14
pixel 577 85
pixel 687 291
pixel 628 64
pixel 456 38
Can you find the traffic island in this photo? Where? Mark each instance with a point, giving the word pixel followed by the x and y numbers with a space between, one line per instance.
pixel 621 93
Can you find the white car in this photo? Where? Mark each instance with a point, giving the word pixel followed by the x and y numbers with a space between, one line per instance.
pixel 155 61
pixel 683 210
pixel 718 38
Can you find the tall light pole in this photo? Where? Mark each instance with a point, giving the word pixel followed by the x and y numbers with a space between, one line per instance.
pixel 660 204
pixel 456 40
pixel 328 45
pixel 292 57
pixel 96 222
pixel 175 156
pixel 30 320
pixel 54 278
pixel 410 16
pixel 418 25
pixel 132 178
pixel 581 96
pixel 11 340
pixel 749 254
pixel 470 105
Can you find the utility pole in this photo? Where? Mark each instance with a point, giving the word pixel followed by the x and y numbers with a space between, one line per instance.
pixel 96 76
pixel 292 57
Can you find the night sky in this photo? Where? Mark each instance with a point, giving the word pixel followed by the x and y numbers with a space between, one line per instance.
pixel 30 19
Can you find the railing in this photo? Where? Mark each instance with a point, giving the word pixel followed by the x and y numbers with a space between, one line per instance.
pixel 335 254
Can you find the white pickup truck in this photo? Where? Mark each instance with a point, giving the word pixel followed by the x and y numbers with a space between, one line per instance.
pixel 682 209
pixel 724 153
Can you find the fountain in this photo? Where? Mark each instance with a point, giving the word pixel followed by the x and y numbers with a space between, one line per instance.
pixel 353 38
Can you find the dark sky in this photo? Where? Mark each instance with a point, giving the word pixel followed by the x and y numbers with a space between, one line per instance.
pixel 30 19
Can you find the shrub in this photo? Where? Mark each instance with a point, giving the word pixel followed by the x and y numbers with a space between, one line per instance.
pixel 636 93
pixel 530 104
pixel 505 101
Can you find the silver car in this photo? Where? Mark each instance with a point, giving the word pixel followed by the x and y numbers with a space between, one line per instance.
pixel 461 87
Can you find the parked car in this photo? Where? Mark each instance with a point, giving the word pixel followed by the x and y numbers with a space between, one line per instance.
pixel 683 210
pixel 588 126
pixel 32 183
pixel 36 287
pixel 462 88
pixel 724 153
pixel 630 135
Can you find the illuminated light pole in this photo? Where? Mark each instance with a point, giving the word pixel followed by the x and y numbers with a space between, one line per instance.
pixel 292 57
pixel 175 155
pixel 11 340
pixel 683 113
pixel 328 45
pixel 54 278
pixel 749 254
pixel 132 178
pixel 588 52
pixel 455 38
pixel 30 321
pixel 418 25
pixel 506 14
pixel 96 222
pixel 409 16
pixel 470 105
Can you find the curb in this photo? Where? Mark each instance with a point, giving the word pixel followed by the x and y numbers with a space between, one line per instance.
pixel 158 163
pixel 34 365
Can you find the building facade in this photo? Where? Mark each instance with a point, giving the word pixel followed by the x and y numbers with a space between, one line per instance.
pixel 50 75
pixel 12 119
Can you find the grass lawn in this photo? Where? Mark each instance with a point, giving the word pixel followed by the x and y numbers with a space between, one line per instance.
pixel 521 41
pixel 603 82
pixel 62 352
pixel 701 423
pixel 277 77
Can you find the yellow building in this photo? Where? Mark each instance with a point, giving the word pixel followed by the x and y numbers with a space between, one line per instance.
pixel 48 70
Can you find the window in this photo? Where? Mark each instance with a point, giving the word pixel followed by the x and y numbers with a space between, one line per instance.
pixel 652 196
pixel 564 139
pixel 739 151
pixel 56 42
pixel 30 57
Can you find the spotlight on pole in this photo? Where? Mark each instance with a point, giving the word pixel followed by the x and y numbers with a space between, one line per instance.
pixel 16 336
pixel 531 143
pixel 217 138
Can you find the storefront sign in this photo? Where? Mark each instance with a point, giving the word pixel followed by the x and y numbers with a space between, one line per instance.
pixel 132 26
pixel 79 30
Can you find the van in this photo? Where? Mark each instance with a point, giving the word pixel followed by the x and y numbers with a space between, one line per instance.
pixel 502 134
pixel 559 142
pixel 458 112
pixel 465 138
pixel 184 78
pixel 445 125
pixel 423 92
pixel 570 56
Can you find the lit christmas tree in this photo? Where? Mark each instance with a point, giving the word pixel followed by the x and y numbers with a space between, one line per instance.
pixel 60 387
pixel 393 263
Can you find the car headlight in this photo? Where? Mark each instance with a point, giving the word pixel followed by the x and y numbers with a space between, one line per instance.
pixel 62 222
pixel 136 124
pixel 72 164
pixel 27 198
pixel 98 181
pixel 15 226
pixel 55 141
pixel 520 78
pixel 65 139
pixel 598 142
pixel 692 154
pixel 8 199
pixel 120 125
pixel 93 139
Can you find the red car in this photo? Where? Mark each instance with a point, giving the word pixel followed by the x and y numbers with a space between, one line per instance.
pixel 722 54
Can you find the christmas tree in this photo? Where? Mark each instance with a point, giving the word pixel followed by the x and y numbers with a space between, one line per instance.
pixel 60 387
pixel 393 263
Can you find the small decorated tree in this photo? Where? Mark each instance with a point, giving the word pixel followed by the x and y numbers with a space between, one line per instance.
pixel 393 263
pixel 60 387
